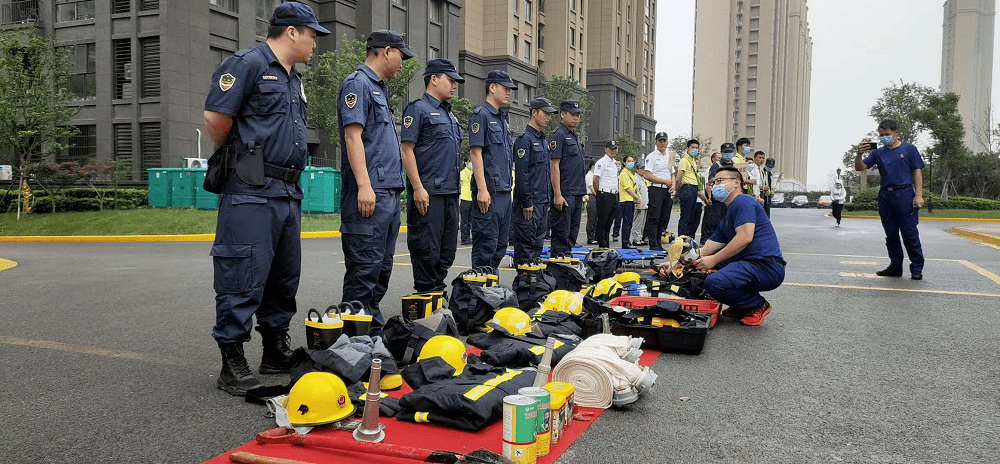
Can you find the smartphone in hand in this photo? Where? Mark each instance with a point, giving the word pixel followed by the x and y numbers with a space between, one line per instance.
pixel 872 146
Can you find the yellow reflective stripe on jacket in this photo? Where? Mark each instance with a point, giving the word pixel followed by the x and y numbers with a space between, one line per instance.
pixel 540 349
pixel 479 391
pixel 420 417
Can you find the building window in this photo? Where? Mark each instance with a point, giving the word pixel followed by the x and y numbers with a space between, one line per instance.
pixel 83 145
pixel 513 92
pixel 433 53
pixel 647 7
pixel 515 5
pixel 401 3
pixel 572 37
pixel 123 147
pixel 122 56
pixel 527 52
pixel 572 5
pixel 435 11
pixel 541 6
pixel 572 70
pixel 149 49
pixel 147 5
pixel 581 39
pixel 527 10
pixel 68 10
pixel 265 8
pixel 121 6
pixel 219 54
pixel 150 147
pixel 515 46
pixel 580 71
pixel 84 79
pixel 228 5
pixel 541 37
pixel 652 35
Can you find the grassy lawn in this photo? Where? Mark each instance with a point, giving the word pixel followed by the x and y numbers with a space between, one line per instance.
pixel 146 221
pixel 941 213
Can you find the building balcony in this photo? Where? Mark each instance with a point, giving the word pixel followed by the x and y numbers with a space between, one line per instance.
pixel 18 12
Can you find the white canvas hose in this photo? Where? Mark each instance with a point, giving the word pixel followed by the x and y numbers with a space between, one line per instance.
pixel 625 346
pixel 598 374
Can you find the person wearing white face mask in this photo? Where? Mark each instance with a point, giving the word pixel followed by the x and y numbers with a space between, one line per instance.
pixel 743 251
pixel 690 179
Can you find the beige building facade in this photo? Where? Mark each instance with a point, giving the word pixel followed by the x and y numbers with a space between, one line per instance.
pixel 967 62
pixel 752 74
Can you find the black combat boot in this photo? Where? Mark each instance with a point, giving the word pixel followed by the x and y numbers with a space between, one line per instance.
pixel 235 377
pixel 277 353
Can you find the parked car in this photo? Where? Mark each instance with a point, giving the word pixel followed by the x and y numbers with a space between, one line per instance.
pixel 825 201
pixel 778 200
pixel 800 201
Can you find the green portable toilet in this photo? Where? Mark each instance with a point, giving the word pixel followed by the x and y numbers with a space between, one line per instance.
pixel 203 199
pixel 183 188
pixel 160 187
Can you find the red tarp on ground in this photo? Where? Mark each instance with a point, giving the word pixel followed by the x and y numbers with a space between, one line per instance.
pixel 423 435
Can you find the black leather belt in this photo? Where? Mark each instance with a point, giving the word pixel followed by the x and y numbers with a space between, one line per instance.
pixel 289 175
pixel 609 193
pixel 898 187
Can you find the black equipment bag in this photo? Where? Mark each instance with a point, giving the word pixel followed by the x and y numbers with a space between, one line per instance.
pixel 605 263
pixel 570 273
pixel 473 305
pixel 532 284
pixel 404 339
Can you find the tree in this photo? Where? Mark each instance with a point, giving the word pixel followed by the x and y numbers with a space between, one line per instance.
pixel 899 102
pixel 35 108
pixel 94 170
pixel 940 116
pixel 52 177
pixel 989 134
pixel 557 89
pixel 678 144
pixel 462 107
pixel 323 80
pixel 628 146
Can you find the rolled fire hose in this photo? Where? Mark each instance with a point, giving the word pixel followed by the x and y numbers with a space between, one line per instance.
pixel 625 346
pixel 601 377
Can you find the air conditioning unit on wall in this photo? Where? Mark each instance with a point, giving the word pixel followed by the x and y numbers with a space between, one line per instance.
pixel 6 172
pixel 196 162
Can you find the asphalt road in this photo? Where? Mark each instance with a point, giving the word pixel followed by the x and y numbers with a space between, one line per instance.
pixel 106 356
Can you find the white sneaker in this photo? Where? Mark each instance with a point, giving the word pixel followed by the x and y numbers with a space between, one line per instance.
pixel 838 225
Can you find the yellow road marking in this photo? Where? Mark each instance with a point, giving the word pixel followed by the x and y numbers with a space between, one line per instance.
pixel 984 272
pixel 6 264
pixel 888 289
pixel 51 345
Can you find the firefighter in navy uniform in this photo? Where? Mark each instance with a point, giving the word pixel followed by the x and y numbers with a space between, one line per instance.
pixel 492 163
pixel 532 188
pixel 257 106
pixel 431 148
pixel 372 173
pixel 568 183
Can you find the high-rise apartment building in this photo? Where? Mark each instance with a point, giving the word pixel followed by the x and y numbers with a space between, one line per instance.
pixel 752 73
pixel 142 68
pixel 967 62
pixel 620 72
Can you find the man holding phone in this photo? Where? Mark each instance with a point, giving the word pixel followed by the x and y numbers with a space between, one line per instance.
pixel 900 197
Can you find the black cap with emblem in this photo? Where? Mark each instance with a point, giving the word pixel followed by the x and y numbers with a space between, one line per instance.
pixel 500 77
pixel 443 66
pixel 297 14
pixel 570 106
pixel 386 38
pixel 661 136
pixel 543 104
pixel 612 144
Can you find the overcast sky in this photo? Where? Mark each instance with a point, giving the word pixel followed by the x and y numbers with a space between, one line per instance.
pixel 859 47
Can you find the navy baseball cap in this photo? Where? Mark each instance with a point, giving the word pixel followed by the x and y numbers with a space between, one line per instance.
pixel 611 144
pixel 297 14
pixel 386 38
pixel 500 77
pixel 542 104
pixel 727 147
pixel 661 136
pixel 570 106
pixel 441 65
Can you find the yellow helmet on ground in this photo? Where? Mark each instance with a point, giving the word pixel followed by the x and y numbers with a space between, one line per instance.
pixel 628 278
pixel 388 382
pixel 446 347
pixel 318 398
pixel 564 301
pixel 606 289
pixel 513 320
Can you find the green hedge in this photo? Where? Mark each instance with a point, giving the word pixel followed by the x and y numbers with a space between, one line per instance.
pixel 79 199
pixel 867 200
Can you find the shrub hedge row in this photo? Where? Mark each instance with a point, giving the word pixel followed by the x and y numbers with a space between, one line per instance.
pixel 867 200
pixel 79 199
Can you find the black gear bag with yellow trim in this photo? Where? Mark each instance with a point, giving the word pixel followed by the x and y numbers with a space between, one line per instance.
pixel 471 401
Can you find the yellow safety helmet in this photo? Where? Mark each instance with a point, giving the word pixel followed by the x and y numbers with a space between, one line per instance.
pixel 318 398
pixel 513 320
pixel 564 301
pixel 446 347
pixel 606 289
pixel 628 278
pixel 388 382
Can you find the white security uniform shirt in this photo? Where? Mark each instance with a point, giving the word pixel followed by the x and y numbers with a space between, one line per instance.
pixel 589 178
pixel 659 164
pixel 606 170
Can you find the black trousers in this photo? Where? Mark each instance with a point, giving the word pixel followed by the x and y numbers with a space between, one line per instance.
pixel 466 227
pixel 607 203
pixel 592 219
pixel 657 215
pixel 838 208
pixel 713 216
pixel 432 240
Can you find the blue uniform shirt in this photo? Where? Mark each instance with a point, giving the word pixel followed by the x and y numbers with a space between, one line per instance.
pixel 564 145
pixel 437 137
pixel 488 129
pixel 268 107
pixel 531 168
pixel 741 210
pixel 363 100
pixel 896 165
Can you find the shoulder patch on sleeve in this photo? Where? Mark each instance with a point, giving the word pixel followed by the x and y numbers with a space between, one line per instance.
pixel 552 145
pixel 520 153
pixel 351 99
pixel 475 128
pixel 407 121
pixel 226 81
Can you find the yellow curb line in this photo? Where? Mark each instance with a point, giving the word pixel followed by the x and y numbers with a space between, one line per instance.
pixel 143 238
pixel 923 218
pixel 981 238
